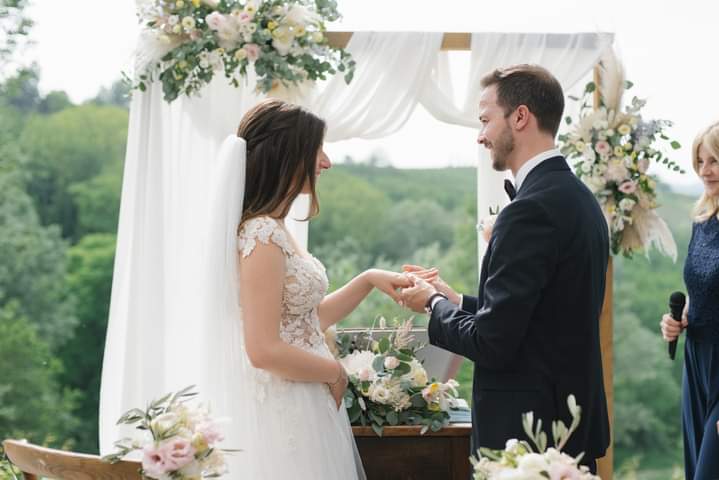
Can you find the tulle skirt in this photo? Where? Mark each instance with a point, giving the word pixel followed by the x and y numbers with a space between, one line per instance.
pixel 291 430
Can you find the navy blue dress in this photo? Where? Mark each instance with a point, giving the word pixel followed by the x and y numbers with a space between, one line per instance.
pixel 700 398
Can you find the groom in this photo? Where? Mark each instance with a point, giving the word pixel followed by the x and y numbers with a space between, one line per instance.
pixel 533 329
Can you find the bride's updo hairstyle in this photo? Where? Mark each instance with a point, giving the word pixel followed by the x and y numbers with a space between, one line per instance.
pixel 282 145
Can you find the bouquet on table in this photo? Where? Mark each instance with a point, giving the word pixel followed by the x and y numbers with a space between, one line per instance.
pixel 519 460
pixel 181 441
pixel 388 385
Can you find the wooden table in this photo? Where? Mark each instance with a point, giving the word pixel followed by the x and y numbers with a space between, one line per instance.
pixel 403 454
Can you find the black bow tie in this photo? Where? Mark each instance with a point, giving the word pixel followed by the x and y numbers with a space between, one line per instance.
pixel 509 188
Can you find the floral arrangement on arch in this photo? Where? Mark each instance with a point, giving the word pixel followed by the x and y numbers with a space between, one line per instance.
pixel 614 149
pixel 186 42
pixel 519 460
pixel 388 385
pixel 182 439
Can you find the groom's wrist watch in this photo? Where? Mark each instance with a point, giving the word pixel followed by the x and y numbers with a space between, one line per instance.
pixel 432 300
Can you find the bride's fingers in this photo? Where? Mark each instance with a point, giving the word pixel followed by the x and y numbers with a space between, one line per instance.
pixel 412 268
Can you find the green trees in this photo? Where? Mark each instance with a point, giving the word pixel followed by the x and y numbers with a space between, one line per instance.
pixel 67 148
pixel 60 180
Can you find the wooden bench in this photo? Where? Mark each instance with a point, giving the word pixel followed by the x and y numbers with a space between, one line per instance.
pixel 35 462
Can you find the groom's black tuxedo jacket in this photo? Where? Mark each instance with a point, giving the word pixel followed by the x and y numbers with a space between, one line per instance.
pixel 533 330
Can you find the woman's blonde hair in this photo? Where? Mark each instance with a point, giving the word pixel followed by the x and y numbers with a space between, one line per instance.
pixel 709 138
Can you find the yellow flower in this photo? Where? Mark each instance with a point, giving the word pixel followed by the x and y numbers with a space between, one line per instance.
pixel 179 4
pixel 199 442
pixel 317 37
pixel 271 25
pixel 628 146
pixel 241 54
pixel 183 64
pixel 177 29
pixel 188 23
pixel 220 51
pixel 618 151
pixel 300 31
pixel 580 145
pixel 624 129
pixel 196 3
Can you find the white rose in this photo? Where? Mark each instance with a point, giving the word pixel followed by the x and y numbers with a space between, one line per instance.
pixel 626 204
pixel 164 422
pixel 417 374
pixel 586 167
pixel 301 15
pixel 173 20
pixel 358 360
pixel 532 462
pixel 211 3
pixel 378 393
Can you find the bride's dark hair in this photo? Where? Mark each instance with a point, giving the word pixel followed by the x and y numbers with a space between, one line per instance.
pixel 283 141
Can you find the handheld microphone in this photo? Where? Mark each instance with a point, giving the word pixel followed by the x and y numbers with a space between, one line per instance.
pixel 677 300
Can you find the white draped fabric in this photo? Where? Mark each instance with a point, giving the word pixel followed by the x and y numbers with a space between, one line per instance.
pixel 156 340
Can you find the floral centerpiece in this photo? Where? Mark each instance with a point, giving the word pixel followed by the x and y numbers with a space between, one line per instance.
pixel 388 384
pixel 519 460
pixel 186 42
pixel 181 443
pixel 614 149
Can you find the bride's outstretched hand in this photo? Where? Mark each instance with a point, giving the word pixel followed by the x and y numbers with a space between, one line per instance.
pixel 431 276
pixel 389 282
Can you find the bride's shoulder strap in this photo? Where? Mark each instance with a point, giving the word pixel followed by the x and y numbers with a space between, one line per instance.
pixel 264 229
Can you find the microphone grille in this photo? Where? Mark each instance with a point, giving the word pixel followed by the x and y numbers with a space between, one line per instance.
pixel 677 298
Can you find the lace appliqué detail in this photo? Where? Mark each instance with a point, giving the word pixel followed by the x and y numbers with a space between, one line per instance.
pixel 305 284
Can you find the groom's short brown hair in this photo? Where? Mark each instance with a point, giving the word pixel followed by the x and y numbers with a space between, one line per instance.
pixel 532 86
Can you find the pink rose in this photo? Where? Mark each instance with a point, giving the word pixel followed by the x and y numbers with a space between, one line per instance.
pixel 602 147
pixel 558 471
pixel 215 20
pixel 155 461
pixel 179 452
pixel 245 17
pixel 390 363
pixel 628 187
pixel 253 51
pixel 210 431
pixel 643 164
pixel 364 374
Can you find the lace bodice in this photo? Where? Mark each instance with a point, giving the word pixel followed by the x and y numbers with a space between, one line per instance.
pixel 304 288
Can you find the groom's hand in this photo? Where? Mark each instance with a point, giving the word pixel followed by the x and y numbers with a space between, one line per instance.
pixel 431 275
pixel 415 298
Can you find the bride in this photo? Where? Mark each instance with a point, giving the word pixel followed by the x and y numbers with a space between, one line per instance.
pixel 293 420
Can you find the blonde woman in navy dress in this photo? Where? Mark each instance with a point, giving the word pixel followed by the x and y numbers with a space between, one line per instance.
pixel 700 397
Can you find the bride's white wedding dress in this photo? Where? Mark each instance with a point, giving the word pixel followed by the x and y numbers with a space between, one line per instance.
pixel 297 430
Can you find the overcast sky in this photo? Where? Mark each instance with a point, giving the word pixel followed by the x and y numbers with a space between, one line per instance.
pixel 669 49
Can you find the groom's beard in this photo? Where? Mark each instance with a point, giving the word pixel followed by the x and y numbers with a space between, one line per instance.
pixel 502 148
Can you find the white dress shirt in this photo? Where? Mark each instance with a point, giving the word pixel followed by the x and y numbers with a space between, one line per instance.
pixel 531 163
